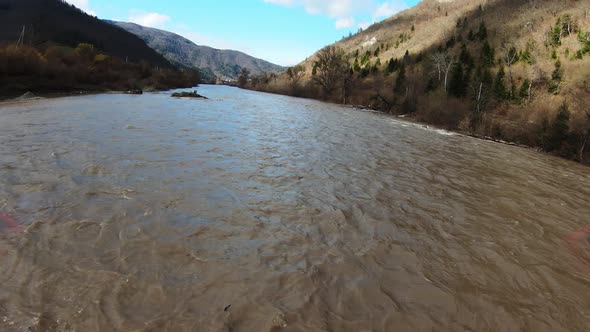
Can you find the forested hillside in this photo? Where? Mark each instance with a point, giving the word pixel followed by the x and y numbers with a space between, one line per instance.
pixel 51 46
pixel 54 21
pixel 225 64
pixel 516 70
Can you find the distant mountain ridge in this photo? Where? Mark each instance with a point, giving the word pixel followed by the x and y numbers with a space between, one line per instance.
pixel 57 22
pixel 225 64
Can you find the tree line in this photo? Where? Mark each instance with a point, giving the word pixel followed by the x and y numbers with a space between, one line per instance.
pixel 466 83
pixel 60 68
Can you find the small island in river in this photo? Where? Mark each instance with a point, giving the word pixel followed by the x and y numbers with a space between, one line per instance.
pixel 185 94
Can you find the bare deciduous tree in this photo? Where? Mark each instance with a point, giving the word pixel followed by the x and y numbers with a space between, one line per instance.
pixel 295 75
pixel 443 63
pixel 244 77
pixel 273 77
pixel 480 97
pixel 510 56
pixel 330 68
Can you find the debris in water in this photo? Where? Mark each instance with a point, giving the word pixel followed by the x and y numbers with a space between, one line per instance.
pixel 193 94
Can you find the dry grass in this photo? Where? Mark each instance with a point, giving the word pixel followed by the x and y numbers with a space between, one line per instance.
pixel 522 24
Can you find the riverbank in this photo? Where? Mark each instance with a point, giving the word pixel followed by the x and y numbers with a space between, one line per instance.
pixel 531 129
pixel 51 95
pixel 59 71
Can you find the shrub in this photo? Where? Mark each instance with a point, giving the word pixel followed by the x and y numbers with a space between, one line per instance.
pixel 441 110
pixel 557 133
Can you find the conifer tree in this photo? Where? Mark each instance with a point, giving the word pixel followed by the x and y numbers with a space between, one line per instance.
pixel 400 81
pixel 500 85
pixel 458 83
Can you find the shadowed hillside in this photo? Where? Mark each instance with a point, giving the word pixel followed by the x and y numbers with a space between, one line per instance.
pixel 223 63
pixel 54 21
pixel 65 50
pixel 514 70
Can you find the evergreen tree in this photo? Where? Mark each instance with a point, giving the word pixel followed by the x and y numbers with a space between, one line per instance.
pixel 524 89
pixel 466 59
pixel 391 66
pixel 430 85
pixel 407 57
pixel 400 81
pixel 374 69
pixel 365 58
pixel 451 42
pixel 366 70
pixel 356 66
pixel 483 31
pixel 559 130
pixel 500 85
pixel 487 54
pixel 556 78
pixel 458 82
pixel 526 57
pixel 419 57
pixel 555 36
pixel 557 74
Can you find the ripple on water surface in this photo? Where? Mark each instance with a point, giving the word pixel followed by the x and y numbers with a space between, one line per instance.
pixel 254 212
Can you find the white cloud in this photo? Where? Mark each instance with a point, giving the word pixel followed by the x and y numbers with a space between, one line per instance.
pixel 332 8
pixel 153 20
pixel 364 24
pixel 344 23
pixel 281 2
pixel 388 9
pixel 82 4
pixel 345 11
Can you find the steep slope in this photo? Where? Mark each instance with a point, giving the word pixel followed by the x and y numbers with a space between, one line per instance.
pixel 54 21
pixel 415 30
pixel 515 70
pixel 223 63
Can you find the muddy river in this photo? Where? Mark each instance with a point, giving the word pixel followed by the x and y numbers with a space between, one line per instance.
pixel 256 212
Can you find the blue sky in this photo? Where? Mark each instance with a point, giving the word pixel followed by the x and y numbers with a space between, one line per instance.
pixel 281 31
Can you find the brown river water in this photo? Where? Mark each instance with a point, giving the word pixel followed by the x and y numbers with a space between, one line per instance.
pixel 255 212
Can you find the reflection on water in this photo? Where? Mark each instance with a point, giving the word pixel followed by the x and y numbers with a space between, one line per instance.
pixel 254 212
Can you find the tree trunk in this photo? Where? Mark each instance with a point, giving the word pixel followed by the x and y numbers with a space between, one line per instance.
pixel 583 148
pixel 447 76
pixel 479 96
pixel 530 92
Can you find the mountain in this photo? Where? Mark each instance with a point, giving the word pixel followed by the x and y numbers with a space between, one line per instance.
pixel 49 46
pixel 54 21
pixel 512 70
pixel 223 63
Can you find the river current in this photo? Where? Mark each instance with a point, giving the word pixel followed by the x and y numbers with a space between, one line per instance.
pixel 257 212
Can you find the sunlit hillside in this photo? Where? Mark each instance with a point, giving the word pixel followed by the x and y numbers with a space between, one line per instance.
pixel 496 68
